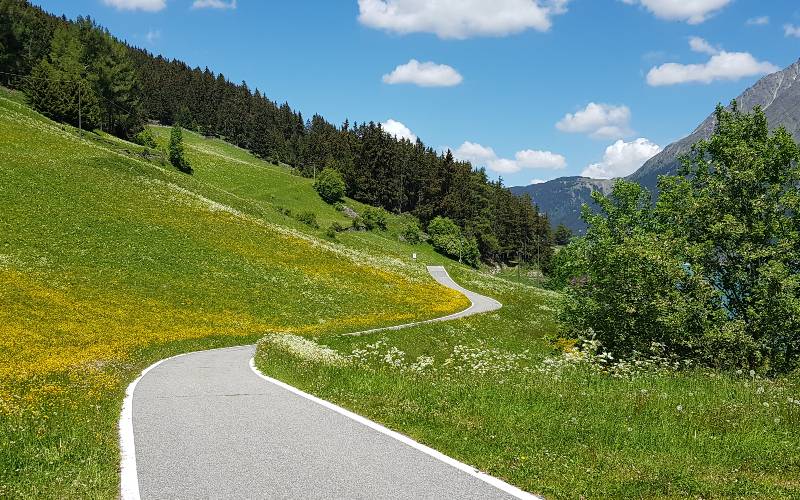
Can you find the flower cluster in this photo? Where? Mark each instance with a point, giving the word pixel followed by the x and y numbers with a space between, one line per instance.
pixel 588 353
pixel 302 348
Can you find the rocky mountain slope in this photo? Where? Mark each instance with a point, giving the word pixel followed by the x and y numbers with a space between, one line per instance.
pixel 778 95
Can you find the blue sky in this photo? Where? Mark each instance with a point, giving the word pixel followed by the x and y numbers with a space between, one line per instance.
pixel 511 81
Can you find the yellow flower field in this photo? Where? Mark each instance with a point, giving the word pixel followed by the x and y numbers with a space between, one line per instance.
pixel 109 262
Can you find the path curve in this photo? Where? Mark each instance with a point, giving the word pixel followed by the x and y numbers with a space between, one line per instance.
pixel 478 303
pixel 206 424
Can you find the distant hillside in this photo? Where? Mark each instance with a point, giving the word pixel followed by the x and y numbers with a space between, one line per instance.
pixel 778 95
pixel 562 198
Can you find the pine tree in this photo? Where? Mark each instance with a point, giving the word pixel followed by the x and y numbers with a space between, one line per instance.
pixel 56 86
pixel 176 152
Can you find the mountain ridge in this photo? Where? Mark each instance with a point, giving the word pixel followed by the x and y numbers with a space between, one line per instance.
pixel 778 94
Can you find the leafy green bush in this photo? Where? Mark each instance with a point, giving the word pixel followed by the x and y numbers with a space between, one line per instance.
pixel 374 218
pixel 411 232
pixel 308 218
pixel 447 239
pixel 333 230
pixel 330 186
pixel 712 272
pixel 145 138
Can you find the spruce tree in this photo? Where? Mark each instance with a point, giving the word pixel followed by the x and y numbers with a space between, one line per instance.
pixel 176 152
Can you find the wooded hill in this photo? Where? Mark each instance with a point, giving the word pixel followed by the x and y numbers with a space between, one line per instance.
pixel 58 61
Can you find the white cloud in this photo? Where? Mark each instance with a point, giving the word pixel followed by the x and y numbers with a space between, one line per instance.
pixel 426 74
pixel 480 155
pixel 691 11
pixel 700 45
pixel 475 153
pixel 504 166
pixel 398 130
pixel 214 4
pixel 791 30
pixel 721 66
pixel 529 158
pixel 622 158
pixel 537 181
pixel 459 18
pixel 758 21
pixel 145 5
pixel 152 36
pixel 601 121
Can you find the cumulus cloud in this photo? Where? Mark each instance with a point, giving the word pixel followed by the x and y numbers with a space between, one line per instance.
pixel 480 155
pixel 426 74
pixel 475 153
pixel 690 11
pixel 758 21
pixel 398 130
pixel 145 5
pixel 791 30
pixel 622 158
pixel 459 19
pixel 601 121
pixel 529 158
pixel 722 66
pixel 700 45
pixel 537 181
pixel 214 4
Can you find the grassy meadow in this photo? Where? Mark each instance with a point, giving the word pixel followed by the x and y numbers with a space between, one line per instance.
pixel 492 392
pixel 110 260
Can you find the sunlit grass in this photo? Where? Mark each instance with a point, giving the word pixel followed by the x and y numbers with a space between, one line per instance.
pixel 109 262
pixel 478 389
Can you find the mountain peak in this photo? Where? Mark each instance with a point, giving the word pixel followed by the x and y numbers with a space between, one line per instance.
pixel 778 94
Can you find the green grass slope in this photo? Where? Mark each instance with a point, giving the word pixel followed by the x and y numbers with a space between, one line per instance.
pixel 110 261
pixel 490 391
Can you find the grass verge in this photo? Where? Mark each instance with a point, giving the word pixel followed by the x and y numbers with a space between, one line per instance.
pixel 479 389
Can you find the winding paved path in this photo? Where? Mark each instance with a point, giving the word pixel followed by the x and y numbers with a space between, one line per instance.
pixel 206 425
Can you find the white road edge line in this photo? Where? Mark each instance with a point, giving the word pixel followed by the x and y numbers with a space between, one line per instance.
pixel 486 478
pixel 128 475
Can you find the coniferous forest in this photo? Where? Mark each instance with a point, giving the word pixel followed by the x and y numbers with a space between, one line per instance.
pixel 58 62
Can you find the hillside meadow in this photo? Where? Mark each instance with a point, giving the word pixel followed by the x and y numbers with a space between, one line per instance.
pixel 110 260
pixel 496 391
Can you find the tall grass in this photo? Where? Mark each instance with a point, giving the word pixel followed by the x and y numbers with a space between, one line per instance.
pixel 479 389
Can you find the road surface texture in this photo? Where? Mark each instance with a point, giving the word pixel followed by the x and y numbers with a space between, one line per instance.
pixel 206 425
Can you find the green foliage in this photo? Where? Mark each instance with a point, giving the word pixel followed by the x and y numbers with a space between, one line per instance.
pixel 480 389
pixel 56 86
pixel 330 185
pixel 711 272
pixel 334 229
pixel 308 218
pixel 562 235
pixel 374 218
pixel 145 138
pixel 86 70
pixel 176 152
pixel 411 232
pixel 358 224
pixel 447 239
pixel 130 84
